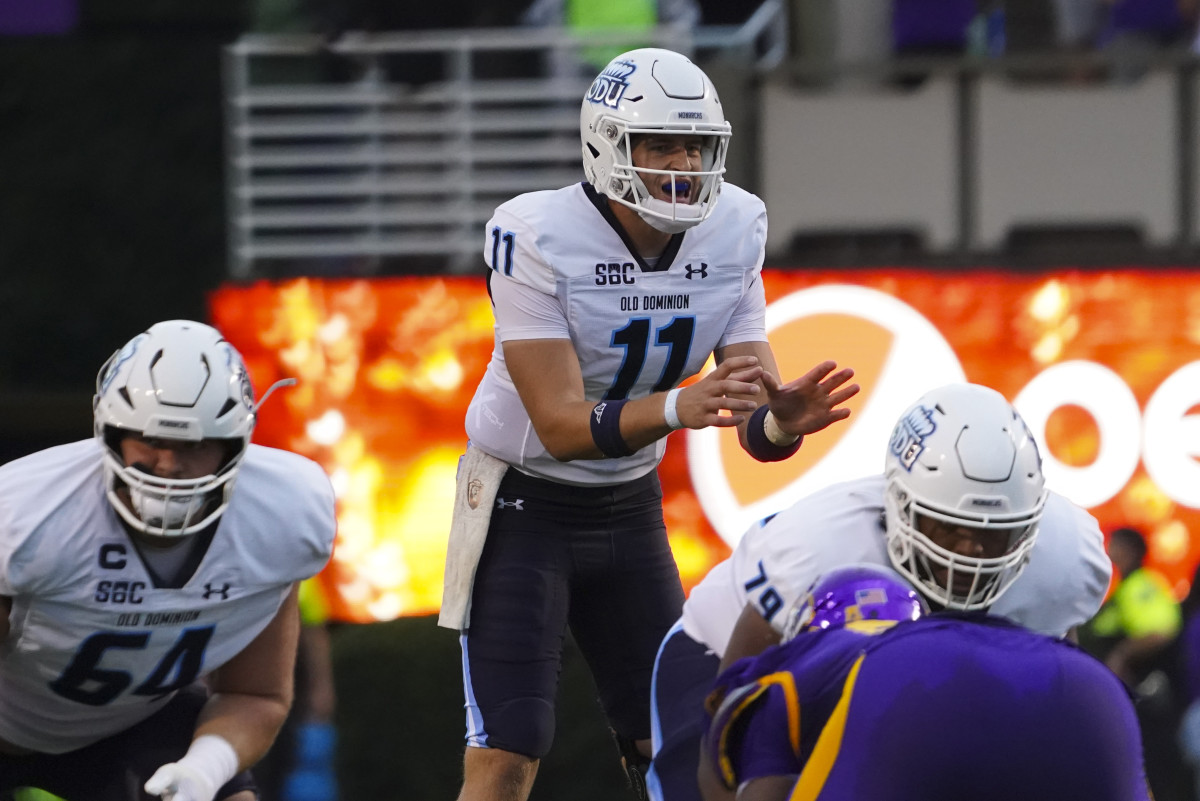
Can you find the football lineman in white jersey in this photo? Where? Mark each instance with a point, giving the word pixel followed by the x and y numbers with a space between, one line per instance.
pixel 961 511
pixel 607 295
pixel 131 568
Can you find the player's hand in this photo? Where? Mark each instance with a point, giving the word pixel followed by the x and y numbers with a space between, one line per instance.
pixel 813 401
pixel 177 782
pixel 701 405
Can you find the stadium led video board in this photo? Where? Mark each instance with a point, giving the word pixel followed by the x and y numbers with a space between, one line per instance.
pixel 1104 365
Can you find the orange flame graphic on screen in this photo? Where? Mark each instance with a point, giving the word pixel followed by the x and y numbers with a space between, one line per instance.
pixel 387 367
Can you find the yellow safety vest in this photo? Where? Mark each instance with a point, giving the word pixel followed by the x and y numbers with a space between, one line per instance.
pixel 582 16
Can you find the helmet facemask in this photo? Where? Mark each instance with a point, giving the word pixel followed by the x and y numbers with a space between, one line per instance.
pixel 919 559
pixel 628 184
pixel 167 507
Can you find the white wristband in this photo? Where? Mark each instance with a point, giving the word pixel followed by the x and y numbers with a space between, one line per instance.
pixel 669 413
pixel 776 434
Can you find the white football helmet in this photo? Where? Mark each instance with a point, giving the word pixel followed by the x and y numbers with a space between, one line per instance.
pixel 963 456
pixel 650 91
pixel 179 380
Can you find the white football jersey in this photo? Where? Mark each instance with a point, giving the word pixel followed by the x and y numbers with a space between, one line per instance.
pixel 560 270
pixel 1062 586
pixel 95 646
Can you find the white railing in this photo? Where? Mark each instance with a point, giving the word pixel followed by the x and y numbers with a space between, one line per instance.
pixel 341 159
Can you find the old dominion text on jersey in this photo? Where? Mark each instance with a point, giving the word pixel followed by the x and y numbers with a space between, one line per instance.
pixel 655 302
pixel 625 274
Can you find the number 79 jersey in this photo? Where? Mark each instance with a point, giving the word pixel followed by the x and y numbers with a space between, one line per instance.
pixel 562 269
pixel 777 560
pixel 95 645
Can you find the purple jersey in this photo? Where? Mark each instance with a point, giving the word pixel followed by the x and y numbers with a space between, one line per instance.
pixel 945 707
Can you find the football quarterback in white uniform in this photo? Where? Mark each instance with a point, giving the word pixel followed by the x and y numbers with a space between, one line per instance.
pixel 636 329
pixel 133 568
pixel 961 511
pixel 607 295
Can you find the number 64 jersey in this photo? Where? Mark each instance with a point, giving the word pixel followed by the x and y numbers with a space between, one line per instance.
pixel 563 269
pixel 95 646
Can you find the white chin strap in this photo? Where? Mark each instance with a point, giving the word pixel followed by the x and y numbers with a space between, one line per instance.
pixel 670 218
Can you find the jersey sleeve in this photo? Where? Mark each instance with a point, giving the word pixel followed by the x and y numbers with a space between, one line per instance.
pixel 777 561
pixel 748 323
pixel 523 312
pixel 512 249
pixel 522 282
pixel 282 516
pixel 756 733
pixel 320 521
pixel 1067 577
pixel 13 557
pixel 43 497
pixel 770 571
pixel 1096 569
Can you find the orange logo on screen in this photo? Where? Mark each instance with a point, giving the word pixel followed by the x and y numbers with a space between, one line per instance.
pixel 852 342
pixel 896 354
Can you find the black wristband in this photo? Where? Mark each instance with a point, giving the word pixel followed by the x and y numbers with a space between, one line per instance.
pixel 606 429
pixel 757 443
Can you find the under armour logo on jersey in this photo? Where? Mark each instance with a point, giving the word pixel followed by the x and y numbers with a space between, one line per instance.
pixel 517 504
pixel 223 591
pixel 702 271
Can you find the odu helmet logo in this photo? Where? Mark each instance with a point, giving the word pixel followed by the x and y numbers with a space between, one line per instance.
pixel 610 85
pixel 114 364
pixel 234 364
pixel 908 438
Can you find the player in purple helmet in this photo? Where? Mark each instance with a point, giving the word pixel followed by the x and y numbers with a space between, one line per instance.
pixel 961 510
pixel 865 680
pixel 866 598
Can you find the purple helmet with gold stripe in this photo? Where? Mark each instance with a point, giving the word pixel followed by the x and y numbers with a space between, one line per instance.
pixel 852 594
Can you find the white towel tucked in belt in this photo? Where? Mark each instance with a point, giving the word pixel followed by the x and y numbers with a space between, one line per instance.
pixel 474 496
